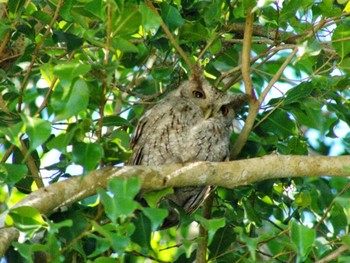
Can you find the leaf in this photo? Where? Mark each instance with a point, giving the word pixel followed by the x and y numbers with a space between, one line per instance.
pixel 13 133
pixel 124 45
pixel 171 16
pixel 341 46
pixel 72 41
pixel 70 99
pixel 302 238
pixel 142 233
pixel 121 203
pixel 115 121
pixel 127 22
pixel 71 70
pixel 126 188
pixel 12 173
pixel 298 93
pixel 211 225
pixel 194 32
pixel 280 124
pixel 155 215
pixel 250 242
pixel 87 154
pixel 309 48
pixel 250 213
pixel 222 241
pixel 303 199
pixel 15 6
pixel 38 130
pixel 149 19
pixel 97 8
pixel 25 218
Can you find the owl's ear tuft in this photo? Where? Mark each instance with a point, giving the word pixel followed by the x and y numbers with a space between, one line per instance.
pixel 238 101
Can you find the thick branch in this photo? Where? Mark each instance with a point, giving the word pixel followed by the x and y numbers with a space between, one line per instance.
pixel 225 174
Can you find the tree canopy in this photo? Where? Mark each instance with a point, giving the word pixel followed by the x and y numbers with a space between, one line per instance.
pixel 77 75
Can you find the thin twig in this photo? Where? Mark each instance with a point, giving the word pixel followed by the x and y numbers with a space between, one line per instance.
pixel 171 37
pixel 334 255
pixel 35 54
pixel 201 254
pixel 253 102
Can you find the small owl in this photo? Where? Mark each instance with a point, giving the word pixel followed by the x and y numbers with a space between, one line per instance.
pixel 190 124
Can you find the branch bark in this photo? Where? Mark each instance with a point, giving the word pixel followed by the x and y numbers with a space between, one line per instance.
pixel 224 174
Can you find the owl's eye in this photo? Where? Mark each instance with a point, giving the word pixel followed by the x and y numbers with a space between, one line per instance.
pixel 197 94
pixel 224 109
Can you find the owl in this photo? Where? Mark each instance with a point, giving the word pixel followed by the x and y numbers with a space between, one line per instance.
pixel 191 123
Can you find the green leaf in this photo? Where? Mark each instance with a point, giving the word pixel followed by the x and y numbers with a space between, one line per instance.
pixel 4 29
pixel 14 132
pixel 280 124
pixel 71 70
pixel 121 203
pixel 211 225
pixel 142 233
pixel 298 93
pixel 194 32
pixel 121 138
pixel 171 16
pixel 115 121
pixel 302 238
pixel 329 9
pixel 250 242
pixel 104 260
pixel 155 215
pixel 303 199
pixel 12 173
pixel 309 48
pixel 25 218
pixel 87 154
pixel 222 241
pixel 149 19
pixel 153 198
pixel 72 42
pixel 127 188
pixel 124 45
pixel 128 22
pixel 38 130
pixel 341 46
pixel 70 99
pixel 43 17
pixel 15 6
pixel 97 8
pixel 250 213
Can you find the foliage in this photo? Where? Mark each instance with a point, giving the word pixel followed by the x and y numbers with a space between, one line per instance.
pixel 77 75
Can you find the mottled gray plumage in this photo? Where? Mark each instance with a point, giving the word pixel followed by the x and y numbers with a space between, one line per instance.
pixel 190 124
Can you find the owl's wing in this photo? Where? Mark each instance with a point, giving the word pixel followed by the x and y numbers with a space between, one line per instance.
pixel 135 143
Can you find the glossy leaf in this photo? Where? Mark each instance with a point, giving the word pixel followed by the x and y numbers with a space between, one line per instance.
pixel 38 131
pixel 302 238
pixel 87 154
pixel 11 174
pixel 71 99
pixel 25 218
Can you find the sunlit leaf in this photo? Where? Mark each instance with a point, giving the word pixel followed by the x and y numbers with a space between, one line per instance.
pixel 73 99
pixel 38 130
pixel 25 218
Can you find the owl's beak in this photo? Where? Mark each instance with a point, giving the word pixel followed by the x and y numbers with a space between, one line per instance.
pixel 207 113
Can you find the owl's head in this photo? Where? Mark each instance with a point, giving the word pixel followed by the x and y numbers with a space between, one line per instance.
pixel 212 102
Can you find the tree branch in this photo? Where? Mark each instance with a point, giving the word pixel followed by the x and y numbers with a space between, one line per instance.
pixel 225 174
